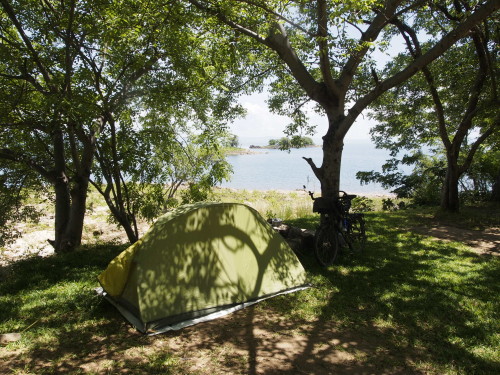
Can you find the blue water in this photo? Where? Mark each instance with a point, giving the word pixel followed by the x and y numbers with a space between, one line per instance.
pixel 282 170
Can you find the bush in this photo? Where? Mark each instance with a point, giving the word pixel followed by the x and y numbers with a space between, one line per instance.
pixel 362 204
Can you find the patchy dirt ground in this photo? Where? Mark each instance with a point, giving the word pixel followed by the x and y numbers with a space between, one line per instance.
pixel 251 341
pixel 486 242
pixel 34 237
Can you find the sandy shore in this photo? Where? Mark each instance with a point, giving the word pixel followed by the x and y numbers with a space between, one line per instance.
pixel 245 151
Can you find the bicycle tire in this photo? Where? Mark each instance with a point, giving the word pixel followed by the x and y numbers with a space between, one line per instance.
pixel 355 235
pixel 326 245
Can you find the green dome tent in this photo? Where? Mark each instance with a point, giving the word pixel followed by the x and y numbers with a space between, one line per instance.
pixel 197 263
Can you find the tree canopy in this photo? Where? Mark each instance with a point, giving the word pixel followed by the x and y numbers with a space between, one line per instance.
pixel 80 79
pixel 324 52
pixel 93 91
pixel 450 108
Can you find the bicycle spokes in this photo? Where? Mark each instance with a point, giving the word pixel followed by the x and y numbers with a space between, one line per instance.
pixel 326 246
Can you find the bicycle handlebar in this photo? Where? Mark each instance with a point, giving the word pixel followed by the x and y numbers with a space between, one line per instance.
pixel 345 195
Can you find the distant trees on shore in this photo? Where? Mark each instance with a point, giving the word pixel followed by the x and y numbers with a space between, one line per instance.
pixel 293 142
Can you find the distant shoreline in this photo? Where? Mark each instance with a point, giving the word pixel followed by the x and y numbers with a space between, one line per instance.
pixel 277 147
pixel 274 169
pixel 251 150
pixel 302 192
pixel 242 151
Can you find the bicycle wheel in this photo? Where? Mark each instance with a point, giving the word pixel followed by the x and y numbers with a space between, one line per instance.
pixel 355 235
pixel 326 245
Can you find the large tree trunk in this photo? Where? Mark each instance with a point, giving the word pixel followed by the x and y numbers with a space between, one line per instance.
pixel 62 210
pixel 61 188
pixel 449 194
pixel 72 237
pixel 333 146
pixel 69 216
pixel 495 191
pixel 71 197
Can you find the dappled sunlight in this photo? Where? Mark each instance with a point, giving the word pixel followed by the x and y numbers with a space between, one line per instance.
pixel 486 241
pixel 271 344
pixel 407 305
pixel 203 258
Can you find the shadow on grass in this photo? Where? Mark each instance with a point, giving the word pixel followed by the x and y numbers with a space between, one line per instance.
pixel 407 305
pixel 65 326
pixel 420 303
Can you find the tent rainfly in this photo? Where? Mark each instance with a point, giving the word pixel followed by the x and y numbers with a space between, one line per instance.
pixel 197 263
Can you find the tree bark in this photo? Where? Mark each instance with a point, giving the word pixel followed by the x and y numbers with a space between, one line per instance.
pixel 61 188
pixel 72 237
pixel 62 211
pixel 495 191
pixel 449 195
pixel 71 197
pixel 117 207
pixel 333 145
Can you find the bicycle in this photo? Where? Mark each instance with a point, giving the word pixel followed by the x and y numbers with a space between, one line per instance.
pixel 338 227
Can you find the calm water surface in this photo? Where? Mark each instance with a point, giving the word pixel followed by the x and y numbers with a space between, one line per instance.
pixel 282 170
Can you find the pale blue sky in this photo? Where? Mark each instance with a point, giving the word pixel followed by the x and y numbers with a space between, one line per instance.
pixel 260 122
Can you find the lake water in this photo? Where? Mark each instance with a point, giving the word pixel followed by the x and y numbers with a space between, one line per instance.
pixel 282 170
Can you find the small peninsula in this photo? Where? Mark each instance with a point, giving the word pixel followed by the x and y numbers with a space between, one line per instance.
pixel 285 143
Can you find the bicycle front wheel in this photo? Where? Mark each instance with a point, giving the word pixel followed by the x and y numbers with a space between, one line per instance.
pixel 326 245
pixel 356 235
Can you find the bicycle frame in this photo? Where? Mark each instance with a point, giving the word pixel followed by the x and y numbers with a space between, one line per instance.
pixel 348 229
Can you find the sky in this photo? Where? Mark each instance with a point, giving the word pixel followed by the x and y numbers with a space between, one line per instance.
pixel 261 123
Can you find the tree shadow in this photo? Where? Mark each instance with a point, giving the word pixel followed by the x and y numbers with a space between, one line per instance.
pixel 388 310
pixel 205 258
pixel 76 325
pixel 419 330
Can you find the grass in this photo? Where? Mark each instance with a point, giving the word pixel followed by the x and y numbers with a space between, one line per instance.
pixel 271 203
pixel 419 306
pixel 433 299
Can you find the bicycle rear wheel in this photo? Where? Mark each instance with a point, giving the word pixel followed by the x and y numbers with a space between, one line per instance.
pixel 326 245
pixel 355 235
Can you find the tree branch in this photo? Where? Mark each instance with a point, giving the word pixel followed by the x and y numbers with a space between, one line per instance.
pixel 317 171
pixel 410 37
pixel 24 124
pixel 371 34
pixel 68 61
pixel 277 41
pixel 443 45
pixel 227 21
pixel 12 15
pixel 491 61
pixel 8 154
pixel 324 52
pixel 278 16
pixel 470 155
pixel 250 79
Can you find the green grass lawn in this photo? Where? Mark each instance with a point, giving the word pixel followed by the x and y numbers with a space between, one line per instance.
pixel 433 299
pixel 422 305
